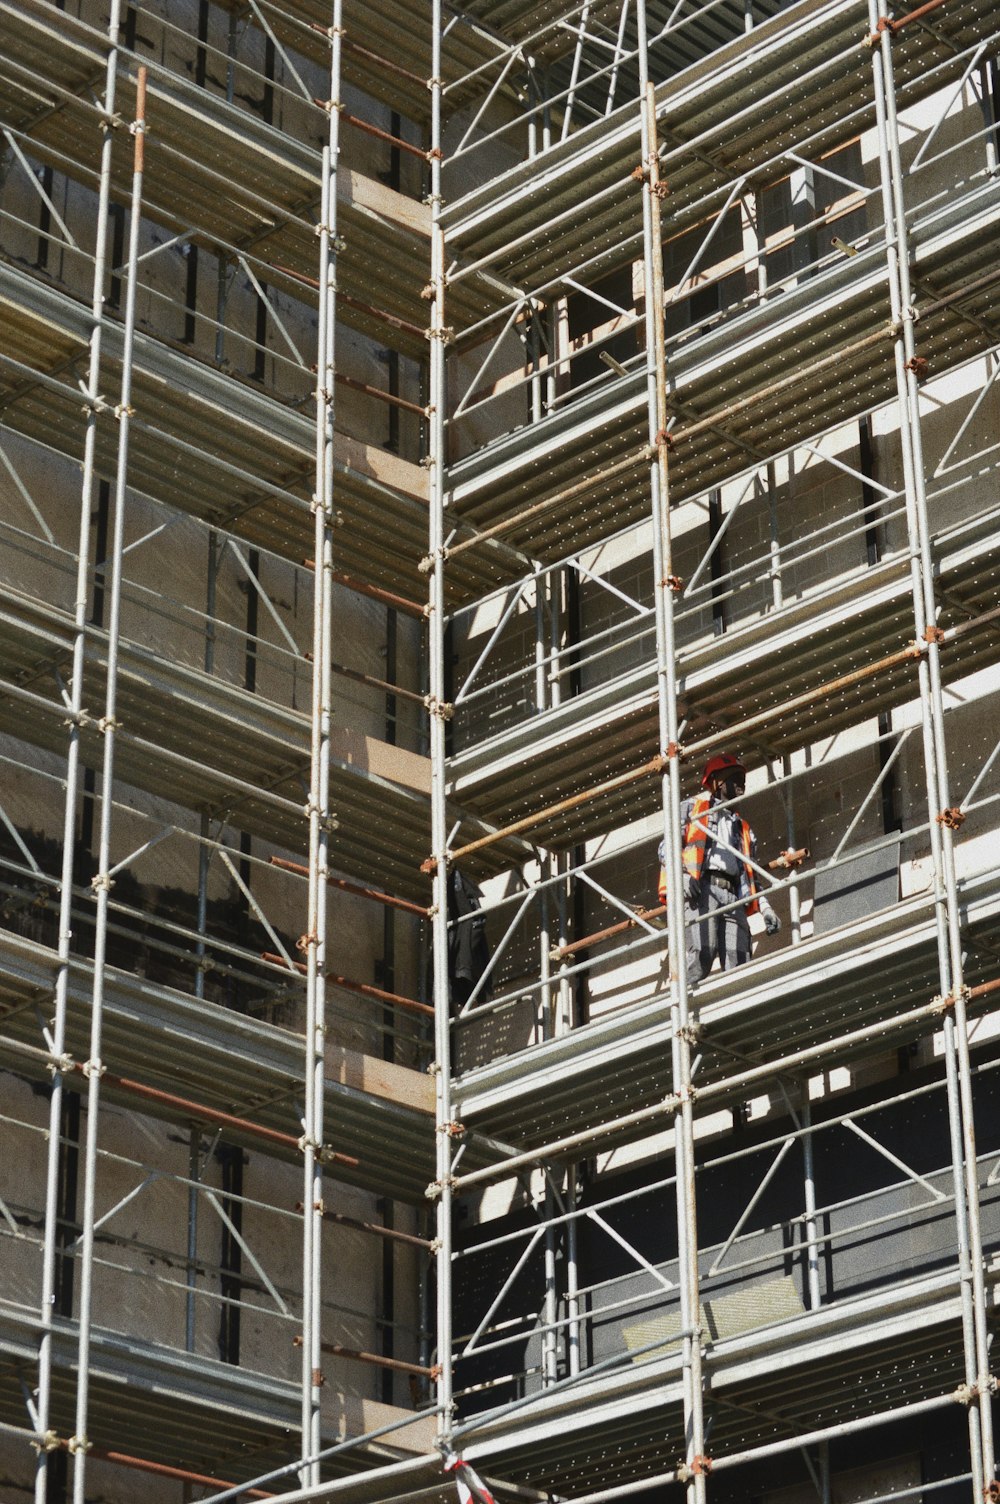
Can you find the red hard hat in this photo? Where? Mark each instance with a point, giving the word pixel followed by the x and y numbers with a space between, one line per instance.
pixel 722 763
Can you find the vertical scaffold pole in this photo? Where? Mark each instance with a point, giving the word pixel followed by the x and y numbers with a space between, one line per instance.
pixel 74 719
pixel 319 790
pixel 950 972
pixel 103 882
pixel 666 677
pixel 437 335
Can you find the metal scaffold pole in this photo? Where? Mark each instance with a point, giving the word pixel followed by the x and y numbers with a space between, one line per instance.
pixel 949 941
pixel 666 679
pixel 103 881
pixel 75 722
pixel 437 335
pixel 319 790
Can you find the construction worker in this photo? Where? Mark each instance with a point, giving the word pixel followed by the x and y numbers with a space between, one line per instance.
pixel 718 850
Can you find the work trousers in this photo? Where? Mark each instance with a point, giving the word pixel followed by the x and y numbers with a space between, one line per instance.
pixel 710 934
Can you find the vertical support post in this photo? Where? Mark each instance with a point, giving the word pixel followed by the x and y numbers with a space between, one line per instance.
pixel 194 1175
pixel 666 670
pixel 102 882
pixel 809 1181
pixel 950 973
pixel 205 825
pixel 439 829
pixel 319 789
pixel 65 937
pixel 794 897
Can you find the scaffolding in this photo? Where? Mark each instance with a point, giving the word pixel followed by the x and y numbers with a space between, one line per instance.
pixel 560 394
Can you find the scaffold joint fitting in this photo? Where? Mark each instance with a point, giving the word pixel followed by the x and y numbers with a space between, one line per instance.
pixel 672 582
pixel 307 1142
pixel 429 866
pixel 691 1033
pixel 305 941
pixel 436 1189
pixel 638 173
pixel 674 749
pixel 60 1064
pixel 123 410
pixel 78 1444
pixel 933 634
pixel 435 154
pixel 991 1493
pixel 441 708
pixel 318 1378
pixel 665 437
pixel 446 334
pixel 78 718
pixel 884 24
pixel 102 883
pixel 659 189
pixel 49 1443
pixel 108 723
pixel 454 1129
pixel 434 1246
pixel 919 365
pixel 952 819
pixel 789 858
pixel 696 1468
pixel 941 1004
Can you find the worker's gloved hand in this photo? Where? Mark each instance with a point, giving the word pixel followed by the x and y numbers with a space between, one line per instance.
pixel 772 923
pixel 692 888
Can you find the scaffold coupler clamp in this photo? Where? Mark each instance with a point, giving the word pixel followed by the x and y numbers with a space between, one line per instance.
pixel 435 1190
pixel 60 1065
pixel 78 1444
pixel 442 708
pixel 790 858
pixel 884 24
pixel 453 1129
pixel 952 818
pixel 698 1467
pixel 991 1493
pixel 49 1443
pixel 93 1069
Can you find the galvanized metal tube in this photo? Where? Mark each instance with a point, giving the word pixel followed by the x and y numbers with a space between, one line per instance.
pixel 72 785
pixel 102 882
pixel 809 1179
pixel 319 785
pixel 439 817
pixel 956 1026
pixel 666 672
pixel 923 607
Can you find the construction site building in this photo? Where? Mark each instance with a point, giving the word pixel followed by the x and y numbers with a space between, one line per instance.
pixel 429 433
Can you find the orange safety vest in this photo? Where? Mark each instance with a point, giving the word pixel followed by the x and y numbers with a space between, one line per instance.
pixel 693 854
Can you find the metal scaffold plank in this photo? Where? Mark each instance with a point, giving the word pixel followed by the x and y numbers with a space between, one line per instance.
pixel 754 383
pixel 191 1409
pixel 853 1360
pixel 221 175
pixel 867 974
pixel 818 665
pixel 797 77
pixel 189 1047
